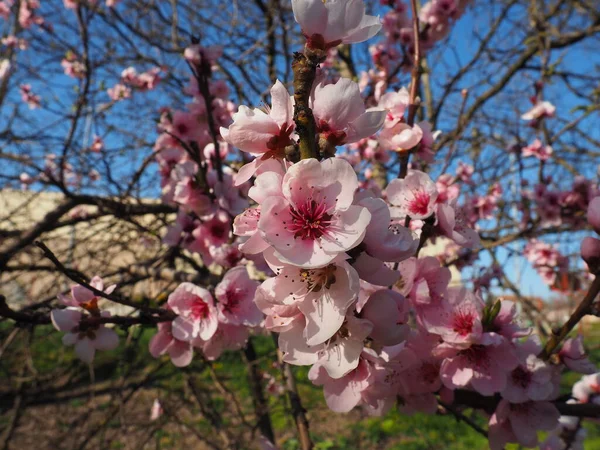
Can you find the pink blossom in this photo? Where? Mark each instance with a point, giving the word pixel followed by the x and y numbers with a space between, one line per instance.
pixel 572 354
pixel 425 150
pixel 83 297
pixel 531 379
pixel 395 103
pixel 388 312
pixel 14 42
pixel 343 394
pixel 413 196
pixel 195 53
pixel 339 356
pixel 327 24
pixel 119 92
pixel 484 367
pixel 156 411
pixel 457 319
pixel 235 294
pixel 97 145
pixel 587 389
pixel 32 100
pixel 537 149
pixel 520 423
pixel 400 137
pixel 447 188
pixel 540 110
pixel 197 315
pixel 340 113
pixel 4 68
pixel 593 213
pixel 5 10
pixel 163 342
pixel 226 337
pixel 314 221
pixel 424 281
pixel 322 295
pixel 384 239
pixel 88 340
pixel 452 224
pixel 257 131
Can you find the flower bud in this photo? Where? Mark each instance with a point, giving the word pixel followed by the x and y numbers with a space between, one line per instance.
pixel 593 214
pixel 590 252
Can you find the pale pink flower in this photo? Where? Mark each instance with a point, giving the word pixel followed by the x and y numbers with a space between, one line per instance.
pixel 156 411
pixel 424 280
pixel 338 356
pixel 413 196
pixel 327 24
pixel 530 380
pixel 539 110
pixel 5 11
pixel 400 137
pixel 322 295
pixel 257 131
pixel 4 68
pixel 593 213
pixel 315 220
pixel 537 149
pixel 520 423
pixel 572 354
pixel 343 394
pixel 425 150
pixel 195 53
pixel 340 113
pixel 484 367
pixel 452 224
pixel 87 341
pixel 395 103
pixel 457 318
pixel 97 145
pixel 197 315
pixel 119 92
pixel 26 180
pixel 83 297
pixel 32 100
pixel 388 312
pixel 163 342
pixel 384 239
pixel 447 188
pixel 587 389
pixel 235 294
pixel 226 337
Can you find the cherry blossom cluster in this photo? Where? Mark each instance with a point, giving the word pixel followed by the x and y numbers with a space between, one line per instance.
pixel 81 321
pixel 395 52
pixel 132 80
pixel 210 327
pixel 314 251
pixel 547 260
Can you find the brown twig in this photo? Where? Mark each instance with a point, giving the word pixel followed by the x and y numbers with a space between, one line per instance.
pixel 304 67
pixel 261 406
pixel 415 76
pixel 298 412
pixel 582 310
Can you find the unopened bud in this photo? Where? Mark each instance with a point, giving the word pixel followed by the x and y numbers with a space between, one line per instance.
pixel 593 214
pixel 590 252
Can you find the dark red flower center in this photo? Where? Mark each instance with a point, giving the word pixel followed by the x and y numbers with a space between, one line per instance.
pixel 310 220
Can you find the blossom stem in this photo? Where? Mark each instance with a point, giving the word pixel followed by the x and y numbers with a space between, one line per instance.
pixel 415 77
pixel 304 67
pixel 298 411
pixel 584 308
pixel 261 406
